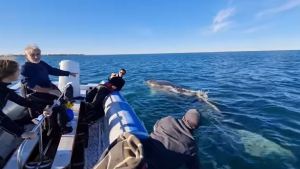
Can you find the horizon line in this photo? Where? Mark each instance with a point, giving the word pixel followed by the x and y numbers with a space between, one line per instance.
pixel 156 53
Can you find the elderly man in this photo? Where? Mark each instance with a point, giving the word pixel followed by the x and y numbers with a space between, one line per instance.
pixel 172 144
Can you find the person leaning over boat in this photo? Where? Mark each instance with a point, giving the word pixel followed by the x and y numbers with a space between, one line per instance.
pixel 9 72
pixel 171 144
pixel 94 99
pixel 36 73
pixel 118 77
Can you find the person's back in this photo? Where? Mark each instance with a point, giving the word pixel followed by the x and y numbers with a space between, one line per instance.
pixel 171 145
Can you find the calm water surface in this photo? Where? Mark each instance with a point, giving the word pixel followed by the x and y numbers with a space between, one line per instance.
pixel 257 92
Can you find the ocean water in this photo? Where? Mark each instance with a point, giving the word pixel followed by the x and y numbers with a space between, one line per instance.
pixel 258 94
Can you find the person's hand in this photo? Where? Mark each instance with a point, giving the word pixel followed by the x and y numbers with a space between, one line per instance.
pixel 47 111
pixel 28 135
pixel 55 92
pixel 73 74
pixel 114 87
pixel 113 75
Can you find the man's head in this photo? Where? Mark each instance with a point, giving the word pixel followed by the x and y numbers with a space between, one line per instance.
pixel 33 54
pixel 122 72
pixel 192 119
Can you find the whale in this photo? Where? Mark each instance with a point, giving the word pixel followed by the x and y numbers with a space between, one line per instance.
pixel 167 86
pixel 258 146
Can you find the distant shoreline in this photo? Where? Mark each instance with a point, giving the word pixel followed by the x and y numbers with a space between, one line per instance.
pixel 2 55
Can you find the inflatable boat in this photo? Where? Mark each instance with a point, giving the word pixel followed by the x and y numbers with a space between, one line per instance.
pixel 84 146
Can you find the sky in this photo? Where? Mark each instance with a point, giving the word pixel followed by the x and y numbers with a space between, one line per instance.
pixel 148 26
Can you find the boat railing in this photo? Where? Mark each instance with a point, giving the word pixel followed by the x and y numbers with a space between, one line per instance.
pixel 38 130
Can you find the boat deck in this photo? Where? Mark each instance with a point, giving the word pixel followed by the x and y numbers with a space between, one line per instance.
pixel 73 150
pixel 67 141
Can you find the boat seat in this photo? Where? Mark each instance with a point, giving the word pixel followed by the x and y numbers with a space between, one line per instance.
pixel 64 151
pixel 9 142
pixel 29 147
pixel 14 111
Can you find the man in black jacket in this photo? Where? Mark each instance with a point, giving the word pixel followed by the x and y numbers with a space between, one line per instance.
pixel 35 74
pixel 172 144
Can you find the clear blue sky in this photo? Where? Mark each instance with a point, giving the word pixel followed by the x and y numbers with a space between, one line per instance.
pixel 148 26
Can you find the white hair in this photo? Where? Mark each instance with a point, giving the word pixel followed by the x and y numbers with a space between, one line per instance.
pixel 30 48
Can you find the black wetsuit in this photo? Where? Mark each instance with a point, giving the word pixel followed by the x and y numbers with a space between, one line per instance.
pixel 118 82
pixel 96 96
pixel 6 123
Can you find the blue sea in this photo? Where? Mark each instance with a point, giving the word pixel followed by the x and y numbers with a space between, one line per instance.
pixel 258 94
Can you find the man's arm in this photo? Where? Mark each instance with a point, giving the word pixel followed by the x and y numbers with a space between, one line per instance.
pixel 32 85
pixel 40 89
pixel 14 97
pixel 36 88
pixel 55 71
pixel 111 76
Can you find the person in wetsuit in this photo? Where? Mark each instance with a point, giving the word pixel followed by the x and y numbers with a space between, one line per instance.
pixel 9 72
pixel 171 144
pixel 95 98
pixel 35 74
